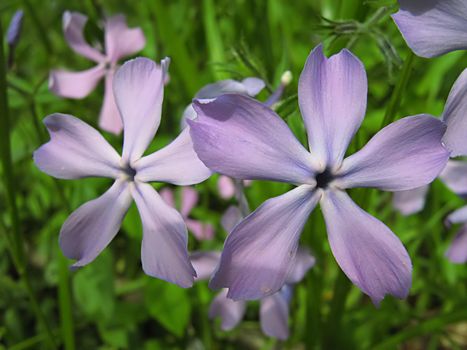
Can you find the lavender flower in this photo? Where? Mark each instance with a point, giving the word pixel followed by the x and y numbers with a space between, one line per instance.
pixel 77 150
pixel 433 27
pixel 13 34
pixel 274 309
pixel 14 29
pixel 189 199
pixel 239 137
pixel 120 41
pixel 248 86
pixel 457 252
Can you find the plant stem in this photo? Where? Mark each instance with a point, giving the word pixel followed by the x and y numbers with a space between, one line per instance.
pixel 16 240
pixel 396 97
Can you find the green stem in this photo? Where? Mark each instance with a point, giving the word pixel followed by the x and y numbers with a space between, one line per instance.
pixel 16 240
pixel 64 292
pixel 396 97
pixel 332 338
pixel 213 38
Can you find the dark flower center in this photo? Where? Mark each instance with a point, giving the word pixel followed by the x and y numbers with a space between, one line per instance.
pixel 130 172
pixel 323 179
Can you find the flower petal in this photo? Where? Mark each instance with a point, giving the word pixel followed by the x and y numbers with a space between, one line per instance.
pixel 109 119
pixel 231 312
pixel 168 196
pixel 261 249
pixel 164 249
pixel 226 187
pixel 457 216
pixel 91 227
pixel 138 91
pixel 302 263
pixel 454 116
pixel 241 138
pixel 366 250
pixel 189 200
pixel 410 201
pixel 454 175
pixel 75 84
pixel 73 28
pixel 332 96
pixel 274 316
pixel 253 86
pixel 404 155
pixel 204 263
pixel 177 163
pixel 202 231
pixel 432 28
pixel 231 217
pixel 249 86
pixel 457 252
pixel 75 150
pixel 121 41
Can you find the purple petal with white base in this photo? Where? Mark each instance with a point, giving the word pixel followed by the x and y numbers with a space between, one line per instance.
pixel 410 201
pixel 75 84
pixel 366 250
pixel 274 316
pixel 404 155
pixel 121 41
pixel 239 137
pixel 231 312
pixel 75 150
pixel 457 252
pixel 177 163
pixel 261 249
pixel 164 249
pixel 454 175
pixel 454 116
pixel 332 97
pixel 433 27
pixel 91 227
pixel 138 91
pixel 109 118
pixel 73 28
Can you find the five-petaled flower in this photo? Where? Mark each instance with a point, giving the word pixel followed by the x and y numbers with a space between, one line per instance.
pixel 77 150
pixel 239 137
pixel 120 41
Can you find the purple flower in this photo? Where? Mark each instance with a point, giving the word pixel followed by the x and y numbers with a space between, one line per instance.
pixel 14 29
pixel 189 199
pixel 274 309
pixel 248 86
pixel 433 27
pixel 77 150
pixel 120 41
pixel 454 175
pixel 226 186
pixel 239 137
pixel 457 252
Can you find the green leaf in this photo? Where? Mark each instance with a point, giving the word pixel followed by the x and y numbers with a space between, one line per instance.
pixel 169 305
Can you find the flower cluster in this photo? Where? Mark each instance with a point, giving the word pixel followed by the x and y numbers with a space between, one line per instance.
pixel 229 132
